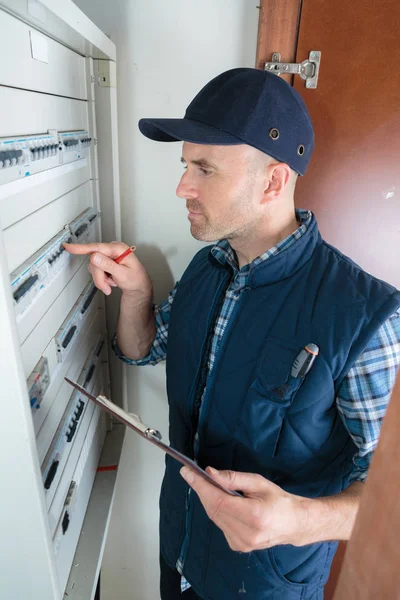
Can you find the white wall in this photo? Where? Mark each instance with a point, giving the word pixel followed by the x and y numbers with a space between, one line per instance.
pixel 167 50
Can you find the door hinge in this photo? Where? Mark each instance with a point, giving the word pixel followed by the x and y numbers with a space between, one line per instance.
pixel 308 69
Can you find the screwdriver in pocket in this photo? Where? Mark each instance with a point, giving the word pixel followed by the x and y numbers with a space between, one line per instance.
pixel 304 360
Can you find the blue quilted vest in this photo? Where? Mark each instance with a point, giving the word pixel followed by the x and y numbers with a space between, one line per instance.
pixel 255 417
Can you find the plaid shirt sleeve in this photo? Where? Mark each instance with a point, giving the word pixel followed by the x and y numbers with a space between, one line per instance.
pixel 365 392
pixel 158 350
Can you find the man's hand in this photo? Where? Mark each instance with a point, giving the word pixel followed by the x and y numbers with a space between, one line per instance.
pixel 136 323
pixel 268 516
pixel 265 517
pixel 130 275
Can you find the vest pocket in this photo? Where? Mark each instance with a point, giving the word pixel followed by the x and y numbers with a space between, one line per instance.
pixel 301 565
pixel 262 566
pixel 269 396
pixel 272 378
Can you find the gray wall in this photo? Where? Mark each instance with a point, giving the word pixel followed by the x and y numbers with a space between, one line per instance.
pixel 166 52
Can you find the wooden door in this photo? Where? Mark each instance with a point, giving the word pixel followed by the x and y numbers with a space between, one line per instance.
pixel 353 182
pixel 371 569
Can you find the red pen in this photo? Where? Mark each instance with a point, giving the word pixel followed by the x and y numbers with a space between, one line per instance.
pixel 124 254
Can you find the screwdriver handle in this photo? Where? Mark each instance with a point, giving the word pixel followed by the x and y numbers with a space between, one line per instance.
pixel 304 360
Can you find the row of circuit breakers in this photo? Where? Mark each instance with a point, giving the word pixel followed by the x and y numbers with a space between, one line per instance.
pixel 35 276
pixel 25 155
pixel 66 458
pixel 64 463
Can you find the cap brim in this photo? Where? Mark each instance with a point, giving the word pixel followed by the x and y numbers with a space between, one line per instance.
pixel 186 130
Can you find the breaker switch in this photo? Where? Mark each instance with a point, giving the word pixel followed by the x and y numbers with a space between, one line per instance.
pixel 88 300
pixel 89 375
pixel 51 474
pixel 69 143
pixel 65 523
pixel 25 287
pixel 81 230
pixel 69 336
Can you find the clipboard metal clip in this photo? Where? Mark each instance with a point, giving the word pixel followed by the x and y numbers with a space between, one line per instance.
pixel 148 431
pixel 153 433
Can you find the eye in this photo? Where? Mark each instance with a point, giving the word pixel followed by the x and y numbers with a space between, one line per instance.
pixel 205 171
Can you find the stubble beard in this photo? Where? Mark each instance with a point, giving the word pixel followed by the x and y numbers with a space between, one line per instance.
pixel 206 232
pixel 227 228
pixel 203 231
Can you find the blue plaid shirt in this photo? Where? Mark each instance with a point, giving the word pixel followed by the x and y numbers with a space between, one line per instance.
pixel 364 394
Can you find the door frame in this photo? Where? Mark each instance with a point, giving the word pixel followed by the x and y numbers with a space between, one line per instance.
pixel 278 31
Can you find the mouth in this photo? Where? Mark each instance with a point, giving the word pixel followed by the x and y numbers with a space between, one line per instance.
pixel 193 215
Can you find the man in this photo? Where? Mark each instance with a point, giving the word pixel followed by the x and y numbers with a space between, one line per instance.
pixel 281 354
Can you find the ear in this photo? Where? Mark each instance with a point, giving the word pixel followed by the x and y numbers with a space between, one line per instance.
pixel 277 179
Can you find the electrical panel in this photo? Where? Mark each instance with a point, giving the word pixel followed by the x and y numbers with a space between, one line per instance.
pixel 68 431
pixel 76 427
pixel 54 317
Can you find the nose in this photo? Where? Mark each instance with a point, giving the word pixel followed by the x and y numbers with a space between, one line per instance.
pixel 186 188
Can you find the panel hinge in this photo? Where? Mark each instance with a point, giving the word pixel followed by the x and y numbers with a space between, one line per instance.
pixel 105 73
pixel 308 69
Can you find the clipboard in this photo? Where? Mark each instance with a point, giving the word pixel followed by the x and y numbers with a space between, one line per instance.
pixel 152 435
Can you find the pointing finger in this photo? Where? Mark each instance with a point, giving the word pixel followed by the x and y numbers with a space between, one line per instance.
pixel 113 249
pixel 82 248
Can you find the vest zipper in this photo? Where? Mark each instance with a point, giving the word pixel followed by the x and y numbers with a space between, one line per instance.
pixel 212 316
pixel 188 504
pixel 200 421
pixel 182 553
pixel 204 405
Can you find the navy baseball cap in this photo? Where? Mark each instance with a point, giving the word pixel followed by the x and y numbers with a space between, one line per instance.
pixel 244 106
